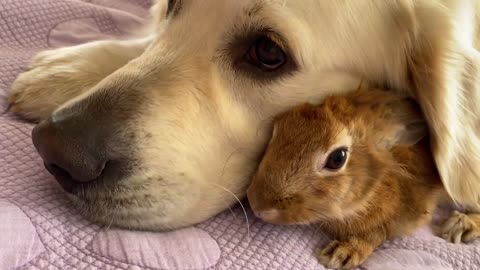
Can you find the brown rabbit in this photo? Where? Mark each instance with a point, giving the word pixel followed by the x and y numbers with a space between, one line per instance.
pixel 360 166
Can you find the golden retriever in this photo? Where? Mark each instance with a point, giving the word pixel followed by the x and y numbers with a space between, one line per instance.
pixel 161 131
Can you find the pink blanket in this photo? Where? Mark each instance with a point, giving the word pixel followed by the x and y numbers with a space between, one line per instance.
pixel 39 229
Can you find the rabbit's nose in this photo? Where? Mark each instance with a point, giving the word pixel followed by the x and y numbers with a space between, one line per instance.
pixel 269 215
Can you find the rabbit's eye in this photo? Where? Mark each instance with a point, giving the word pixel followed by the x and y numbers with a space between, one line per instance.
pixel 336 160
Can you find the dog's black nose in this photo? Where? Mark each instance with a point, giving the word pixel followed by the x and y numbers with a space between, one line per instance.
pixel 71 155
pixel 86 142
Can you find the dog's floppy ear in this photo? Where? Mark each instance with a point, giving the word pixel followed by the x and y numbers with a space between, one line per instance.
pixel 444 65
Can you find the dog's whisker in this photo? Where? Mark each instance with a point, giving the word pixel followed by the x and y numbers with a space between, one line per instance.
pixel 233 213
pixel 241 205
pixel 110 224
pixel 228 159
pixel 108 214
pixel 317 229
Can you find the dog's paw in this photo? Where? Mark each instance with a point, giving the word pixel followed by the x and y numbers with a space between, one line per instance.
pixel 342 255
pixel 53 77
pixel 35 94
pixel 459 228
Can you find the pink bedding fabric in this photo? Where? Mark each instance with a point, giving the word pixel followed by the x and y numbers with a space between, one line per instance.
pixel 39 229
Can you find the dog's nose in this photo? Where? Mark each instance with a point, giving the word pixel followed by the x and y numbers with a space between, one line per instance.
pixel 69 155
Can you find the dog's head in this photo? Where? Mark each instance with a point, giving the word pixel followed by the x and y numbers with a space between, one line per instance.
pixel 164 141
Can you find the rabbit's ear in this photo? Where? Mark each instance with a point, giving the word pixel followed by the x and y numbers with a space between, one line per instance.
pixel 404 134
pixel 403 125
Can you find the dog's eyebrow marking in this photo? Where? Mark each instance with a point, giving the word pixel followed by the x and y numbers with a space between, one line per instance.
pixel 174 7
pixel 254 10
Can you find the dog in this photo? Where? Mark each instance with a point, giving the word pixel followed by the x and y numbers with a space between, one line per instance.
pixel 164 130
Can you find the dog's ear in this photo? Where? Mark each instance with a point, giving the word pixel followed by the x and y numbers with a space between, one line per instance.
pixel 443 67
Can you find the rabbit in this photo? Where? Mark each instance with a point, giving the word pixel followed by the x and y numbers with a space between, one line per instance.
pixel 359 165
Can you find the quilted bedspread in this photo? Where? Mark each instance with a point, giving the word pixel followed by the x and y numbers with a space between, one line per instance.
pixel 39 228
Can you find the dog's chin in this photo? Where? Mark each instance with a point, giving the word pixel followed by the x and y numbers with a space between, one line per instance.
pixel 124 209
pixel 109 215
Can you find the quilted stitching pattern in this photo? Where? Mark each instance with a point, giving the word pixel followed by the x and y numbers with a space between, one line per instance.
pixel 24 28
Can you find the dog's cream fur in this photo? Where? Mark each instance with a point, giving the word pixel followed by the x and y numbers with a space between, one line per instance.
pixel 209 122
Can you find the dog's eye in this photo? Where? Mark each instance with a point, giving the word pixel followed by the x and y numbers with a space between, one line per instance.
pixel 171 5
pixel 266 54
pixel 336 160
